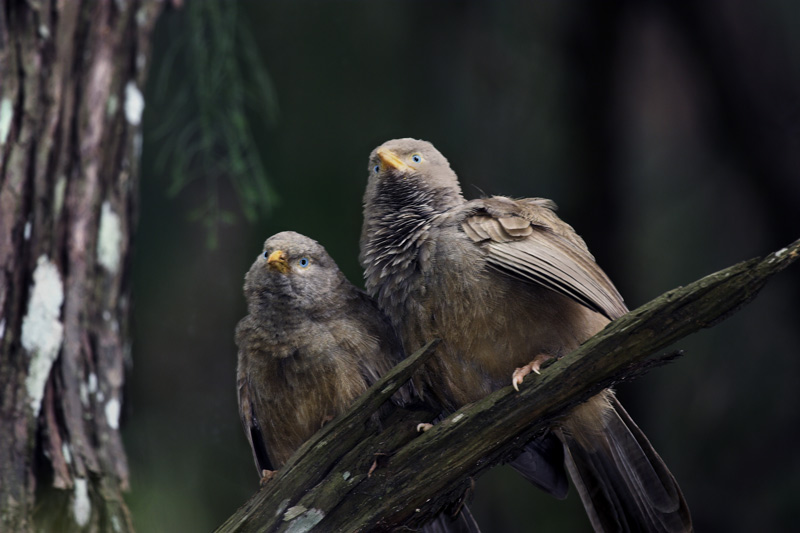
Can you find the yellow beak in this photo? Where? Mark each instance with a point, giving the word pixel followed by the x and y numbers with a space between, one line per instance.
pixel 390 160
pixel 277 261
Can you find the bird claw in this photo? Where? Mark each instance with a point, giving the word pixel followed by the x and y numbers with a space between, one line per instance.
pixel 534 366
pixel 518 375
pixel 325 420
pixel 266 476
pixel 374 463
pixel 423 427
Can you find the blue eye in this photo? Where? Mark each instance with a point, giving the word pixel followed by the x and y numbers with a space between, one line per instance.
pixel 377 168
pixel 416 158
pixel 303 262
pixel 266 255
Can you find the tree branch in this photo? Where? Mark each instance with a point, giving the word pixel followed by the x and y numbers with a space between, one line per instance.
pixel 331 481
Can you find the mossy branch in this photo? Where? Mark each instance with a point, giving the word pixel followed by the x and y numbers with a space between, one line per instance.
pixel 353 477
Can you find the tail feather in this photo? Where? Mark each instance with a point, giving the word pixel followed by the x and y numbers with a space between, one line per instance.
pixel 622 481
pixel 463 522
pixel 542 464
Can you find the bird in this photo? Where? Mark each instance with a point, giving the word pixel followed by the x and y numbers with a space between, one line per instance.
pixel 310 344
pixel 507 285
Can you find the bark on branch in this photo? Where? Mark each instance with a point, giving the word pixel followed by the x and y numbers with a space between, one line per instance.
pixel 330 480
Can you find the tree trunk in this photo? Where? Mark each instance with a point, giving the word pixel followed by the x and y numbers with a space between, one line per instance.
pixel 71 78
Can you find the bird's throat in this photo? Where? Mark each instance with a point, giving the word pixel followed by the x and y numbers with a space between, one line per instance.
pixel 401 214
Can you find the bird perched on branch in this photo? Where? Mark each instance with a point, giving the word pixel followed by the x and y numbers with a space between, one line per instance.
pixel 309 346
pixel 507 285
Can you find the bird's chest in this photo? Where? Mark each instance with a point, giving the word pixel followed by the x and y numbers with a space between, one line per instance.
pixel 303 386
pixel 449 292
pixel 476 325
pixel 315 377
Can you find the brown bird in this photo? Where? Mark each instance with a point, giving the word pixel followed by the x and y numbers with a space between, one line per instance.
pixel 309 346
pixel 507 285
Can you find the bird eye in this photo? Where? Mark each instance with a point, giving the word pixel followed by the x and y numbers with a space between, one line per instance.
pixel 376 168
pixel 416 158
pixel 266 255
pixel 303 262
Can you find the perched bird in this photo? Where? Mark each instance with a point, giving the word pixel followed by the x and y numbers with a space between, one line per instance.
pixel 507 285
pixel 309 346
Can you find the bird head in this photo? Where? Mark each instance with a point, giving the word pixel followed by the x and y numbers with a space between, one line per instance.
pixel 414 165
pixel 293 270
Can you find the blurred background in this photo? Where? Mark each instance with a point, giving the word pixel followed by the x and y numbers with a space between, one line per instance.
pixel 666 131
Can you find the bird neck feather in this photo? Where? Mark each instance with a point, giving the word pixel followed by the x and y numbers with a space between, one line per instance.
pixel 399 215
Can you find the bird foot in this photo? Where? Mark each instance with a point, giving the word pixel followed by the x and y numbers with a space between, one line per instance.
pixel 375 463
pixel 534 366
pixel 266 476
pixel 423 427
pixel 325 420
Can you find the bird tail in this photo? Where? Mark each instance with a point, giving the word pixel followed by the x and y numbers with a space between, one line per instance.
pixel 542 464
pixel 622 481
pixel 462 522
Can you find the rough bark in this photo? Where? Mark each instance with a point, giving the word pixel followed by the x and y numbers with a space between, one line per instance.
pixel 349 477
pixel 71 78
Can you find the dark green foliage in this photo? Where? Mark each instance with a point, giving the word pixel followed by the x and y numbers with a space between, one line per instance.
pixel 210 89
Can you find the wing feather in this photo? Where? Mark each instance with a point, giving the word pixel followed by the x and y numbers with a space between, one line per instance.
pixel 252 429
pixel 526 240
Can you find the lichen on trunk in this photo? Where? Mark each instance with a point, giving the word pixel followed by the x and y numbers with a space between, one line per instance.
pixel 68 185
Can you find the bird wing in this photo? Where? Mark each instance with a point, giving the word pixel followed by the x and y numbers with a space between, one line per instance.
pixel 252 428
pixel 526 240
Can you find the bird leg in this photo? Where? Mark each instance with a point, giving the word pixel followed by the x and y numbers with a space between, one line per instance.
pixel 266 476
pixel 422 427
pixel 375 462
pixel 534 366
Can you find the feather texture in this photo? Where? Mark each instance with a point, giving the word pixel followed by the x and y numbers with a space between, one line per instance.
pixel 523 242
